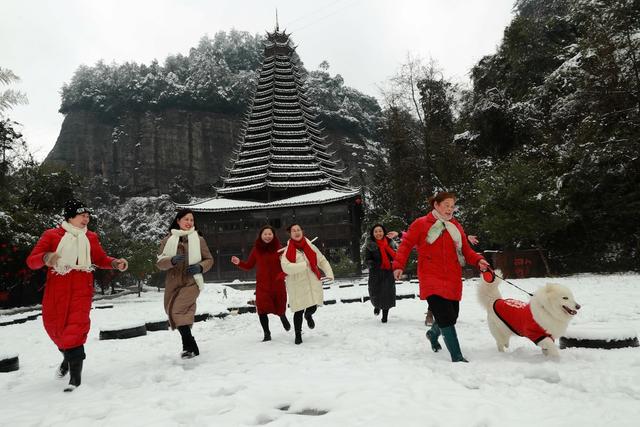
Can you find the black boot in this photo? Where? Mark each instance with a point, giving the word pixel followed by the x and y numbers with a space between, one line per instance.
pixel 451 341
pixel 310 322
pixel 189 345
pixel 385 313
pixel 63 369
pixel 376 311
pixel 194 346
pixel 185 333
pixel 297 326
pixel 285 322
pixel 264 322
pixel 75 375
pixel 432 335
pixel 74 357
pixel 308 314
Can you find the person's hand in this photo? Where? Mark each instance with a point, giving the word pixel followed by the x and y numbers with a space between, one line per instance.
pixel 51 258
pixel 177 259
pixel 473 240
pixel 120 264
pixel 397 274
pixel 194 269
pixel 235 260
pixel 483 265
pixel 392 234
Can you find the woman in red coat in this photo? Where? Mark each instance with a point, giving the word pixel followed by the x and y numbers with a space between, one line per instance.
pixel 271 294
pixel 71 252
pixel 443 250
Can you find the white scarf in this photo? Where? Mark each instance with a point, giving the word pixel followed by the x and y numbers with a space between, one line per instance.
pixel 74 250
pixel 171 248
pixel 443 223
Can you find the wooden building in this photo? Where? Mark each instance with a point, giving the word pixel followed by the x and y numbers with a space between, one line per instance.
pixel 281 172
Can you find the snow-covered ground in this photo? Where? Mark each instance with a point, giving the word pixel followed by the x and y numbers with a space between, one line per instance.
pixel 358 370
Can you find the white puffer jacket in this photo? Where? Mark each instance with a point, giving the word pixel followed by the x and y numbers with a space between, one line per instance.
pixel 303 287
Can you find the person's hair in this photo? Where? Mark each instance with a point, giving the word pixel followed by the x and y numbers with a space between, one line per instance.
pixel 384 230
pixel 266 227
pixel 441 197
pixel 293 225
pixel 181 213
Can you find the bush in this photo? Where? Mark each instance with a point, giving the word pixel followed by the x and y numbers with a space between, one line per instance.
pixel 343 266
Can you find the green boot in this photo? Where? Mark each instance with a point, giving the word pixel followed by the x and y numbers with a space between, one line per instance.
pixel 451 341
pixel 432 336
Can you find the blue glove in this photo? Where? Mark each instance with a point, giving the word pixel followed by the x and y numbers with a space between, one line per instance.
pixel 194 269
pixel 176 259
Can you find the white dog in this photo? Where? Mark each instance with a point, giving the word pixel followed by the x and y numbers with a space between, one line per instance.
pixel 542 320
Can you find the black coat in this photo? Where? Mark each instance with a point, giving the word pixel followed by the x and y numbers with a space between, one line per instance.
pixel 382 285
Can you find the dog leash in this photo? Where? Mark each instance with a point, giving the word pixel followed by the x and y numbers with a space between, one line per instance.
pixel 493 273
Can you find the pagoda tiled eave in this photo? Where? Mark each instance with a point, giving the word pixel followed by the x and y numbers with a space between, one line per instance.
pixel 258 143
pixel 263 127
pixel 249 153
pixel 294 174
pixel 288 184
pixel 289 157
pixel 326 156
pixel 310 166
pixel 338 171
pixel 258 135
pixel 238 171
pixel 246 178
pixel 258 121
pixel 226 190
pixel 249 161
pixel 290 149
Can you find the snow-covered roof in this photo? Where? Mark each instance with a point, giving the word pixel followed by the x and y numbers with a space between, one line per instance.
pixel 221 204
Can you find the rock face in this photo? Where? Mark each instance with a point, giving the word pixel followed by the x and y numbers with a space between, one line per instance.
pixel 144 153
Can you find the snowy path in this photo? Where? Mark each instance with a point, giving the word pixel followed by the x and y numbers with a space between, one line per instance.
pixel 362 372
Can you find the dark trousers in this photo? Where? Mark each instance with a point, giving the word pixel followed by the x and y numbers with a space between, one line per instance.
pixel 297 316
pixel 445 311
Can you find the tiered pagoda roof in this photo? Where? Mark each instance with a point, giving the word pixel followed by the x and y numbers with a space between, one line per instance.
pixel 281 151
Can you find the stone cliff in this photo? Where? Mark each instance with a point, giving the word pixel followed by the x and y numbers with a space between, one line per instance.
pixel 143 153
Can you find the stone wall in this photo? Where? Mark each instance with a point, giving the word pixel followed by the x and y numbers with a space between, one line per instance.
pixel 143 153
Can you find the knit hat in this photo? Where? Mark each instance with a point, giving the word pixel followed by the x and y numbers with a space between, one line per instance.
pixel 74 207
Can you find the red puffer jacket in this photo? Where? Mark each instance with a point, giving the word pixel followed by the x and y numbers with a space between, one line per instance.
pixel 271 294
pixel 439 271
pixel 67 298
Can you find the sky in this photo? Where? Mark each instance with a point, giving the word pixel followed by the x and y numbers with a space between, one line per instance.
pixel 365 41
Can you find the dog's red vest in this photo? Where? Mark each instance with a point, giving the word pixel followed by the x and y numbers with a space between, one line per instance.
pixel 518 317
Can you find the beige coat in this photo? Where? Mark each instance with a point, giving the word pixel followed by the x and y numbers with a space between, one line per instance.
pixel 303 287
pixel 180 288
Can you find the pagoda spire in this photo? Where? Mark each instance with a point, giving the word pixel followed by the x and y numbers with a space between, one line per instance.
pixel 281 151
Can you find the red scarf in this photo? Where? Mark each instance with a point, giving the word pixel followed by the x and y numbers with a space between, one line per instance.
pixel 308 252
pixel 385 251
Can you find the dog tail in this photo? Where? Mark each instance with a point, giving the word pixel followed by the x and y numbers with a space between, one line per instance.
pixel 488 292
